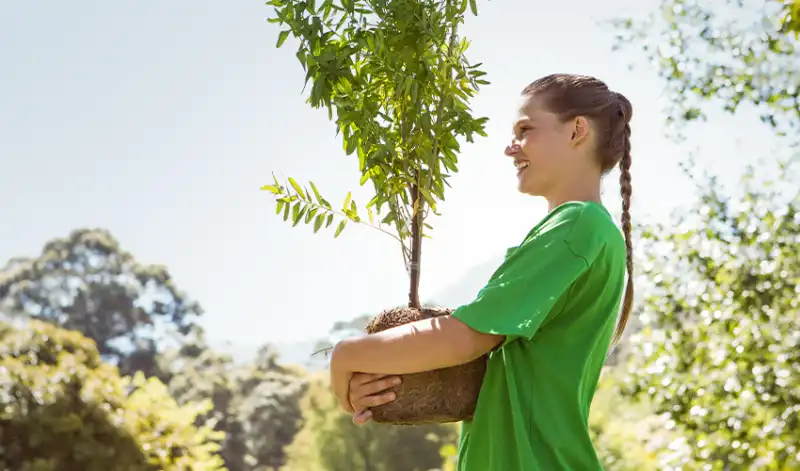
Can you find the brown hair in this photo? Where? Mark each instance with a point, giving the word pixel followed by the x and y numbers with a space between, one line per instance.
pixel 570 96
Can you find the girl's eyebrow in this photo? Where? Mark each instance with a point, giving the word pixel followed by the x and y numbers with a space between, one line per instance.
pixel 520 122
pixel 525 119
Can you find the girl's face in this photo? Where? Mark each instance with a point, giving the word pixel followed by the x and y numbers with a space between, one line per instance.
pixel 543 147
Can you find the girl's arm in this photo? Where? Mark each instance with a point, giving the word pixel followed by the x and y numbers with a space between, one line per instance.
pixel 423 345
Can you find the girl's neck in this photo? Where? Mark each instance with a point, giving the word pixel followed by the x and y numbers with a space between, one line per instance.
pixel 576 191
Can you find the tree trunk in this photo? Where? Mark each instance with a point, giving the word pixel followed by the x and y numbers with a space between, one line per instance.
pixel 416 248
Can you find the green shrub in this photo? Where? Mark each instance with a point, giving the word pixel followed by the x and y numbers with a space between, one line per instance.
pixel 61 408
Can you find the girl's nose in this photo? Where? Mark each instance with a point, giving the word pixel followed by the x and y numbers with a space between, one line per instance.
pixel 512 149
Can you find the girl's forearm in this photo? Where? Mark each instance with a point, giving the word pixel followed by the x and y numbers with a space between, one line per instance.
pixel 412 348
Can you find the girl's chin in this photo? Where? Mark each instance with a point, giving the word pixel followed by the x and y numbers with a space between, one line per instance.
pixel 526 185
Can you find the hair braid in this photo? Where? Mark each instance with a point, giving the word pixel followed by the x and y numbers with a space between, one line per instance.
pixel 625 192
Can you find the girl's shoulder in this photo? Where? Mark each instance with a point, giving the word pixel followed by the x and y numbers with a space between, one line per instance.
pixel 586 227
pixel 572 219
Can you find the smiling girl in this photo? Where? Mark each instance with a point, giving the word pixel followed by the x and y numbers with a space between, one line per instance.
pixel 549 314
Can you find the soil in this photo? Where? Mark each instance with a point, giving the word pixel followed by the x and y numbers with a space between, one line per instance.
pixel 438 396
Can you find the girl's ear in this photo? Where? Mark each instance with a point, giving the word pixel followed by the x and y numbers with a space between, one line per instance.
pixel 580 130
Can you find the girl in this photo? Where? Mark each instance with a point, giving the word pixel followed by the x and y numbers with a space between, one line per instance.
pixel 547 316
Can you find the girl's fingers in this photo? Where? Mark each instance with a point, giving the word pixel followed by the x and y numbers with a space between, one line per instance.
pixel 376 386
pixel 365 402
pixel 362 417
pixel 371 390
pixel 360 379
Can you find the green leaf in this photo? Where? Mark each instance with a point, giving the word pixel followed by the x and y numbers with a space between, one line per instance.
pixel 271 189
pixel 350 145
pixel 347 200
pixel 428 198
pixel 282 37
pixel 374 201
pixel 449 164
pixel 329 220
pixel 340 228
pixel 296 186
pixel 473 6
pixel 310 214
pixel 318 222
pixel 316 193
pixel 279 207
pixel 297 213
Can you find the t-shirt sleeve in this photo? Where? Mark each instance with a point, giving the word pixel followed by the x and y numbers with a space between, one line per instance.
pixel 521 294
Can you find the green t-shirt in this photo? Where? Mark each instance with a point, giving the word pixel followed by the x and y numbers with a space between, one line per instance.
pixel 556 299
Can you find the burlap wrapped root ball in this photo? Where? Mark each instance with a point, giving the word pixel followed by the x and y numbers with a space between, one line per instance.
pixel 438 396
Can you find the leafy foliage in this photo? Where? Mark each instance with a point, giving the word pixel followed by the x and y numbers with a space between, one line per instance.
pixel 62 409
pixel 790 18
pixel 628 436
pixel 256 406
pixel 737 52
pixel 86 282
pixel 396 74
pixel 331 442
pixel 720 350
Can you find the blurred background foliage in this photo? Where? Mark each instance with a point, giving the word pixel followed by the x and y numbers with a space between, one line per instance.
pixel 104 366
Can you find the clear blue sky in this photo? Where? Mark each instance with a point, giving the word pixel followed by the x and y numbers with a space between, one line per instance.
pixel 160 121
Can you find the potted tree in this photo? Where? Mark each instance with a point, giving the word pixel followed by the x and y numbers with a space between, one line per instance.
pixel 395 73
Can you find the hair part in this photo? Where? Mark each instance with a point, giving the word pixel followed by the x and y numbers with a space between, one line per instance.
pixel 570 96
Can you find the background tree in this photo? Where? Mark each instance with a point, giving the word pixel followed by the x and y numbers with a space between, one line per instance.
pixel 627 435
pixel 731 53
pixel 720 351
pixel 196 372
pixel 330 442
pixel 62 409
pixel 255 405
pixel 86 282
pixel 270 411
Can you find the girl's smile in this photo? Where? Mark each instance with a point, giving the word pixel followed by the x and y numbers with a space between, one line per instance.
pixel 521 165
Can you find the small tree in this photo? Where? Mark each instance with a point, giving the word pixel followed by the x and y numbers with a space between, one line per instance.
pixel 396 74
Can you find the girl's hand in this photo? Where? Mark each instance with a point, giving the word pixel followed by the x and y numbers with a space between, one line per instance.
pixel 340 383
pixel 341 388
pixel 370 390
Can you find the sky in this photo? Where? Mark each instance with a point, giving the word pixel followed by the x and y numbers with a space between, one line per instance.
pixel 159 121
